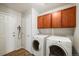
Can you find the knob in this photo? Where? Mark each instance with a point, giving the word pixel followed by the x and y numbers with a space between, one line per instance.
pixel 14 35
pixel 59 41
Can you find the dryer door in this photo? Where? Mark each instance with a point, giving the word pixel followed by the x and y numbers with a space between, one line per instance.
pixel 56 51
pixel 36 45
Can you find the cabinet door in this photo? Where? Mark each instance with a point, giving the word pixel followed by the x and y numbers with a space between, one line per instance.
pixel 56 19
pixel 69 17
pixel 47 21
pixel 40 22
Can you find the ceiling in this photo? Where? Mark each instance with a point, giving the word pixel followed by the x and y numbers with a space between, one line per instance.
pixel 40 7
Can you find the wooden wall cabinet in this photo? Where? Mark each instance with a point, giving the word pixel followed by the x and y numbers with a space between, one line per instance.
pixel 44 21
pixel 40 22
pixel 61 19
pixel 69 17
pixel 47 21
pixel 56 19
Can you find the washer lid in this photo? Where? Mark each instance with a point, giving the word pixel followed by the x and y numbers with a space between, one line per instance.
pixel 59 38
pixel 71 37
pixel 40 36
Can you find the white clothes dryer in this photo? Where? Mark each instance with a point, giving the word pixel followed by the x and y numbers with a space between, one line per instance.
pixel 58 46
pixel 39 45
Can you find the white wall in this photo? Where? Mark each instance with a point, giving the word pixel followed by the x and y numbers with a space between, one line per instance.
pixel 23 25
pixel 59 8
pixel 34 22
pixel 27 29
pixel 58 31
pixel 76 35
pixel 29 25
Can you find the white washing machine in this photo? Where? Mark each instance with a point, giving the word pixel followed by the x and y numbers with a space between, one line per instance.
pixel 39 45
pixel 58 46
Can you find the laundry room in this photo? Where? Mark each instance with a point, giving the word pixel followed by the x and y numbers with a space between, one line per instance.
pixel 39 29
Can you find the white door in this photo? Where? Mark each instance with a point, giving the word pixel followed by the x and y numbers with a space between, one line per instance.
pixel 13 42
pixel 11 34
pixel 2 34
pixel 9 40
